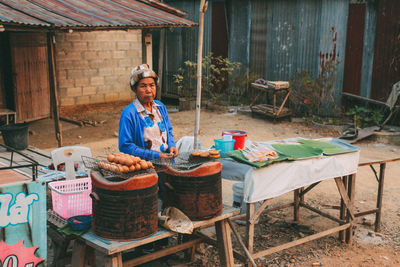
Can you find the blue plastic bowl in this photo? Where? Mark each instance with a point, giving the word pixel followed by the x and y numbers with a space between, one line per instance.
pixel 224 146
pixel 80 222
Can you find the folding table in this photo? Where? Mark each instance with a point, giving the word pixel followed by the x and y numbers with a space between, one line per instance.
pixel 300 176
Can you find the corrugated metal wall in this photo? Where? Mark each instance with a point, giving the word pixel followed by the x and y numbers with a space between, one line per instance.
pixel 276 39
pixel 181 44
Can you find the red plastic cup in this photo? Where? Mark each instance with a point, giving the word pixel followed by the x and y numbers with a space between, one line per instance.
pixel 239 136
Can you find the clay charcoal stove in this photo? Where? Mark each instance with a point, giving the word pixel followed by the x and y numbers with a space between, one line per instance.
pixel 196 192
pixel 124 209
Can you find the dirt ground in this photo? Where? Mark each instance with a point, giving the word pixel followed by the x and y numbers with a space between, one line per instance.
pixel 369 248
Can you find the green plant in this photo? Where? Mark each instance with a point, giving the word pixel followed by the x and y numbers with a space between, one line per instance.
pixel 219 76
pixel 365 116
pixel 316 96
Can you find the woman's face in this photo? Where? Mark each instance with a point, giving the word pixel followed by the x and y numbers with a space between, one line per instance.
pixel 146 90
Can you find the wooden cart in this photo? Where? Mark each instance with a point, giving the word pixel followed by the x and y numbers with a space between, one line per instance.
pixel 272 111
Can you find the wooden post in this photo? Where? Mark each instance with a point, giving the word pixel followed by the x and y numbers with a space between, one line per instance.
pixel 296 208
pixel 249 227
pixel 148 41
pixel 349 218
pixel 203 9
pixel 224 243
pixel 342 211
pixel 53 87
pixel 382 168
pixel 160 63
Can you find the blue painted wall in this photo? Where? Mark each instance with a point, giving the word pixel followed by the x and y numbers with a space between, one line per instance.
pixel 34 231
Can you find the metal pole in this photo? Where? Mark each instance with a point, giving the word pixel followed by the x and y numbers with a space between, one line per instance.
pixel 203 8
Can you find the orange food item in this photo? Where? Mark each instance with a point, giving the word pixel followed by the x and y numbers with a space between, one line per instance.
pixel 132 168
pixel 125 169
pixel 196 153
pixel 114 168
pixel 150 164
pixel 100 165
pixel 215 156
pixel 128 162
pixel 138 167
pixel 143 164
pixel 214 152
pixel 204 154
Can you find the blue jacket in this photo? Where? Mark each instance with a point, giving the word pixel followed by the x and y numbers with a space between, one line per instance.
pixel 130 137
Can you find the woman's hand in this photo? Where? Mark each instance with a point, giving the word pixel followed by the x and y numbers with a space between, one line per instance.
pixel 174 151
pixel 166 155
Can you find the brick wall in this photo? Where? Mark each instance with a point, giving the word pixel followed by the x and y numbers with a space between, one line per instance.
pixel 94 67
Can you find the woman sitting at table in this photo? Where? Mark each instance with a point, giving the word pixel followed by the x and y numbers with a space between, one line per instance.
pixel 145 130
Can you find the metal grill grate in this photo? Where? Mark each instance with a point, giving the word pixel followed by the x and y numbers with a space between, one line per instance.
pixel 184 161
pixel 92 163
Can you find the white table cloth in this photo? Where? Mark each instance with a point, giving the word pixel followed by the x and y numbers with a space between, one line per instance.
pixel 282 177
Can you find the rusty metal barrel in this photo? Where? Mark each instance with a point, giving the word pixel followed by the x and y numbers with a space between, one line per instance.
pixel 197 192
pixel 124 209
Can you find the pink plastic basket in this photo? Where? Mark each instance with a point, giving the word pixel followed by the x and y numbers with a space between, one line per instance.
pixel 71 197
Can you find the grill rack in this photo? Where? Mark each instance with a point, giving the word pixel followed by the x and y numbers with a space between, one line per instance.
pixel 184 161
pixel 92 163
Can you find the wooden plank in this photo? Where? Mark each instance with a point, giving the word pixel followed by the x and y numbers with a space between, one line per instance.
pixel 283 102
pixel 305 191
pixel 162 253
pixel 113 260
pixel 379 197
pixel 268 110
pixel 224 243
pixel 300 241
pixel 350 216
pixel 359 214
pixel 342 212
pixel 260 210
pixel 110 247
pixel 243 216
pixel 78 254
pixel 242 245
pixel 53 93
pixel 249 227
pixel 326 215
pixel 365 161
pixel 346 200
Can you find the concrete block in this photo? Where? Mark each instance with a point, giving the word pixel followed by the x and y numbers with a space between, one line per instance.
pixel 104 54
pixel 109 97
pixel 89 90
pixel 98 98
pixel 121 71
pixel 96 63
pixel 133 35
pixel 107 45
pixel 81 100
pixel 90 55
pixel 125 62
pixel 79 46
pixel 71 55
pixel 89 36
pixel 112 80
pixel 80 64
pixel 90 72
pixel 93 45
pixel 135 54
pixel 96 80
pixel 67 101
pixel 84 81
pixel 73 74
pixel 106 71
pixel 119 54
pixel 74 91
pixel 74 36
pixel 66 82
pixel 121 45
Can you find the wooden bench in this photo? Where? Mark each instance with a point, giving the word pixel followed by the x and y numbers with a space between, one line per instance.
pixel 83 250
pixel 368 161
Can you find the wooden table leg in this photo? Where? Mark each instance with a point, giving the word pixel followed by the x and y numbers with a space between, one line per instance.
pixel 249 227
pixel 379 197
pixel 224 243
pixel 351 193
pixel 296 208
pixel 78 254
pixel 114 260
pixel 343 211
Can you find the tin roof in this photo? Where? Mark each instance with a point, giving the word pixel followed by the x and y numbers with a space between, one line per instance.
pixel 89 14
